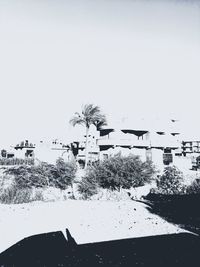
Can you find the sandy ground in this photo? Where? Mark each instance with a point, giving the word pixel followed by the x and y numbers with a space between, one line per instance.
pixel 87 221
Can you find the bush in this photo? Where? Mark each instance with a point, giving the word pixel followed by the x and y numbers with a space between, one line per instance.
pixel 14 195
pixel 63 174
pixel 194 188
pixel 60 175
pixel 116 173
pixel 88 187
pixel 29 176
pixel 25 179
pixel 170 182
pixel 107 194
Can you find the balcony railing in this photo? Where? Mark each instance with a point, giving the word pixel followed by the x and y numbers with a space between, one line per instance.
pixel 137 143
pixel 122 142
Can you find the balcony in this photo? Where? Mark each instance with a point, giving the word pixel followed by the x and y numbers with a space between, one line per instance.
pixel 123 142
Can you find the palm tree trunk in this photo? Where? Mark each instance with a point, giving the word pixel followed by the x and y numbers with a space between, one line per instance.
pixel 72 187
pixel 86 147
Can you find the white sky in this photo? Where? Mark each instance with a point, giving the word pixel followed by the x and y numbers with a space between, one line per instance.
pixel 132 58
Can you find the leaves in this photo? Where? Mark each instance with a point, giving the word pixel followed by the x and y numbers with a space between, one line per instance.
pixel 60 175
pixel 120 172
pixel 64 174
pixel 90 114
pixel 194 187
pixel 171 181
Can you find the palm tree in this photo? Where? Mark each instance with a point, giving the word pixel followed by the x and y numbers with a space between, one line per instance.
pixel 90 114
pixel 101 122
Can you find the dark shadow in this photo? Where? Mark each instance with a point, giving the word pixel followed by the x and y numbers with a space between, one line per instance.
pixel 53 249
pixel 49 249
pixel 179 209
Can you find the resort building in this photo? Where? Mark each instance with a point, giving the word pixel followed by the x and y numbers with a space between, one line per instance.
pixel 24 150
pixel 191 152
pixel 160 146
pixel 50 151
pixel 155 146
pixel 33 153
pixel 190 147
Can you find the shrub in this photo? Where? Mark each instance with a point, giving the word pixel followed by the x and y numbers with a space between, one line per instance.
pixel 194 188
pixel 88 186
pixel 14 195
pixel 63 174
pixel 113 195
pixel 60 175
pixel 117 172
pixel 37 195
pixel 170 182
pixel 29 176
pixel 26 183
pixel 124 172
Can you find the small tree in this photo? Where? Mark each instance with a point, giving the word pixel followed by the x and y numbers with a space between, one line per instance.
pixel 119 172
pixel 194 187
pixel 88 186
pixel 171 181
pixel 63 174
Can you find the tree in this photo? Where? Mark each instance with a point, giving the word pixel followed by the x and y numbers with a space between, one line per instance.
pixel 60 175
pixel 171 181
pixel 64 174
pixel 101 122
pixel 90 115
pixel 116 173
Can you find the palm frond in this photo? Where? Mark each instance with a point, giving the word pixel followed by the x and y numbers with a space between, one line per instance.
pixel 89 110
pixel 77 119
pixel 100 121
pixel 90 114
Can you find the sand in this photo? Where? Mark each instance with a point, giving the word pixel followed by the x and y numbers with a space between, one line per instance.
pixel 87 221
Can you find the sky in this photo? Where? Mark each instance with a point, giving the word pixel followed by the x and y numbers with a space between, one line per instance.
pixel 135 59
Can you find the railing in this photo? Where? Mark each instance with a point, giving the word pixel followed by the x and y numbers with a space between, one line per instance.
pixel 122 142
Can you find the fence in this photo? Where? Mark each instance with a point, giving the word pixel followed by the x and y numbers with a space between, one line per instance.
pixel 16 161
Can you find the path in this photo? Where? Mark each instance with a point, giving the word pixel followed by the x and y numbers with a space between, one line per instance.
pixel 87 221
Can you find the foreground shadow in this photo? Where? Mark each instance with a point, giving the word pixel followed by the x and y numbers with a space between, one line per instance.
pixel 52 249
pixel 179 209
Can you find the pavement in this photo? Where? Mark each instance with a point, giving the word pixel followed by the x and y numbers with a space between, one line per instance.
pixel 87 221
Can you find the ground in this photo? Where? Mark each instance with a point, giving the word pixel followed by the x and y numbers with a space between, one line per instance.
pixel 87 221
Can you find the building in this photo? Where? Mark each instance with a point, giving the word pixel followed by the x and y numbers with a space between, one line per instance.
pixel 33 153
pixel 190 147
pixel 78 147
pixel 191 153
pixel 24 149
pixel 157 145
pixel 50 150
